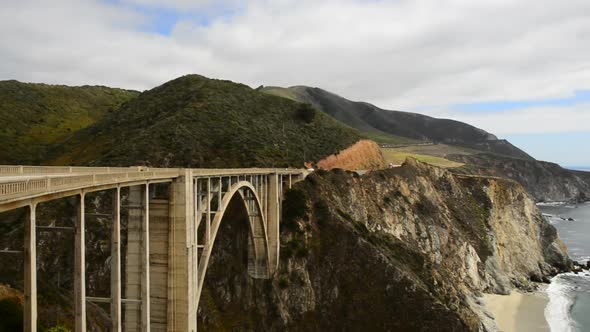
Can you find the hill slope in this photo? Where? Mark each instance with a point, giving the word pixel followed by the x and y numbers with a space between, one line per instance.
pixel 401 125
pixel 33 117
pixel 194 121
pixel 458 143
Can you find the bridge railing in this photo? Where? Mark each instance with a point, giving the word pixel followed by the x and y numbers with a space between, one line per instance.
pixel 243 171
pixel 17 170
pixel 13 170
pixel 37 180
pixel 16 189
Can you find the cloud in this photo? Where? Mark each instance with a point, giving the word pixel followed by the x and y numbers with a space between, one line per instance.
pixel 184 4
pixel 397 54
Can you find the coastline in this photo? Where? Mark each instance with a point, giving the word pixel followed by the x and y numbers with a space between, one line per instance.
pixel 519 311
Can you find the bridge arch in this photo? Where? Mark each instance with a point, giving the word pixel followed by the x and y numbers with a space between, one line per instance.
pixel 258 242
pixel 175 250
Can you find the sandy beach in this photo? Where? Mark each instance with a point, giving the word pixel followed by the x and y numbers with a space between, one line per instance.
pixel 523 312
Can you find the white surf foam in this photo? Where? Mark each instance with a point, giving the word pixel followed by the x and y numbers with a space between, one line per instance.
pixel 551 203
pixel 557 311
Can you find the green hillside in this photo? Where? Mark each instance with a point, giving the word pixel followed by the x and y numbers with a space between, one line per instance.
pixel 397 127
pixel 340 110
pixel 34 117
pixel 194 121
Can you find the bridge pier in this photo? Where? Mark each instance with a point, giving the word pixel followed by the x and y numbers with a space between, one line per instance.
pixel 31 271
pixel 272 219
pixel 80 266
pixel 182 257
pixel 137 267
pixel 116 263
pixel 145 260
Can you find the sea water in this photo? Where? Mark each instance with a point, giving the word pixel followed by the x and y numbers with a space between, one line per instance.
pixel 569 293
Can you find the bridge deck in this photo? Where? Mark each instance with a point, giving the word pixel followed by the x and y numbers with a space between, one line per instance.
pixel 20 184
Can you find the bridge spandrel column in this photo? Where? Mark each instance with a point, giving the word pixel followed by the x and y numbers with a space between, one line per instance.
pixel 116 263
pixel 30 309
pixel 133 261
pixel 137 284
pixel 273 217
pixel 145 260
pixel 80 266
pixel 182 257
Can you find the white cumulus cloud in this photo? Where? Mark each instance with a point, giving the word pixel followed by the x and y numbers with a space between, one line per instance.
pixel 398 54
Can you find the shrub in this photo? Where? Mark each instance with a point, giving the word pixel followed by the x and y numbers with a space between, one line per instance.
pixel 283 283
pixel 294 206
pixel 58 328
pixel 11 316
pixel 306 112
pixel 321 211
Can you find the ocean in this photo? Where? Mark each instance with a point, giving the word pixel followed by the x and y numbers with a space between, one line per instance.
pixel 579 168
pixel 569 294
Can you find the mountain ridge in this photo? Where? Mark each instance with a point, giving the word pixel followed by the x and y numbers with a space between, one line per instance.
pixel 194 121
pixel 369 118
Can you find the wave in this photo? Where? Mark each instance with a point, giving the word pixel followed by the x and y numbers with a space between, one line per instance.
pixel 561 300
pixel 562 296
pixel 557 203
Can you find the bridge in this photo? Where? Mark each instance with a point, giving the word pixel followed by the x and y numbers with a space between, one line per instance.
pixel 169 239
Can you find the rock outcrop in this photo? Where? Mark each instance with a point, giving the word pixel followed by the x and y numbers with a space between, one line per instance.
pixel 544 181
pixel 405 249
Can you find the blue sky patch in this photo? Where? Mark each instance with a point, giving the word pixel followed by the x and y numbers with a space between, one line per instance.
pixel 579 96
pixel 162 19
pixel 568 149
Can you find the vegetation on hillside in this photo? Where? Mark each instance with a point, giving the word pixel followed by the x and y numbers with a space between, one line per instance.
pixel 194 121
pixel 395 127
pixel 300 94
pixel 34 117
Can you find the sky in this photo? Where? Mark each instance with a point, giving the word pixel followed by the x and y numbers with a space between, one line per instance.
pixel 517 68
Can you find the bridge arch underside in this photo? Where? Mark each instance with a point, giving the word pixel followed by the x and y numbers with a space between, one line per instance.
pixel 239 232
pixel 228 287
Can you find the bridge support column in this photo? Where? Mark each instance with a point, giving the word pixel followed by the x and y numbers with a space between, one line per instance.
pixel 80 267
pixel 273 217
pixel 182 277
pixel 137 262
pixel 31 272
pixel 116 263
pixel 145 261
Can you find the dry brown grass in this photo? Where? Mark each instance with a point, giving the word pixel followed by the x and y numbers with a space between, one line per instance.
pixel 364 154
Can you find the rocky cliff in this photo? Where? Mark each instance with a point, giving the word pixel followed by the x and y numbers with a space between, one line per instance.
pixel 544 181
pixel 405 249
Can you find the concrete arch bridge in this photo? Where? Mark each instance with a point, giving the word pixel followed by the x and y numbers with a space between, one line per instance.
pixel 156 283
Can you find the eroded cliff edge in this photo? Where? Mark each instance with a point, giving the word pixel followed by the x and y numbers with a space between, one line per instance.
pixel 405 249
pixel 543 180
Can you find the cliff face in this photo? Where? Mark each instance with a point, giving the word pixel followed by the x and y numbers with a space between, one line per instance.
pixel 544 181
pixel 363 155
pixel 403 249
